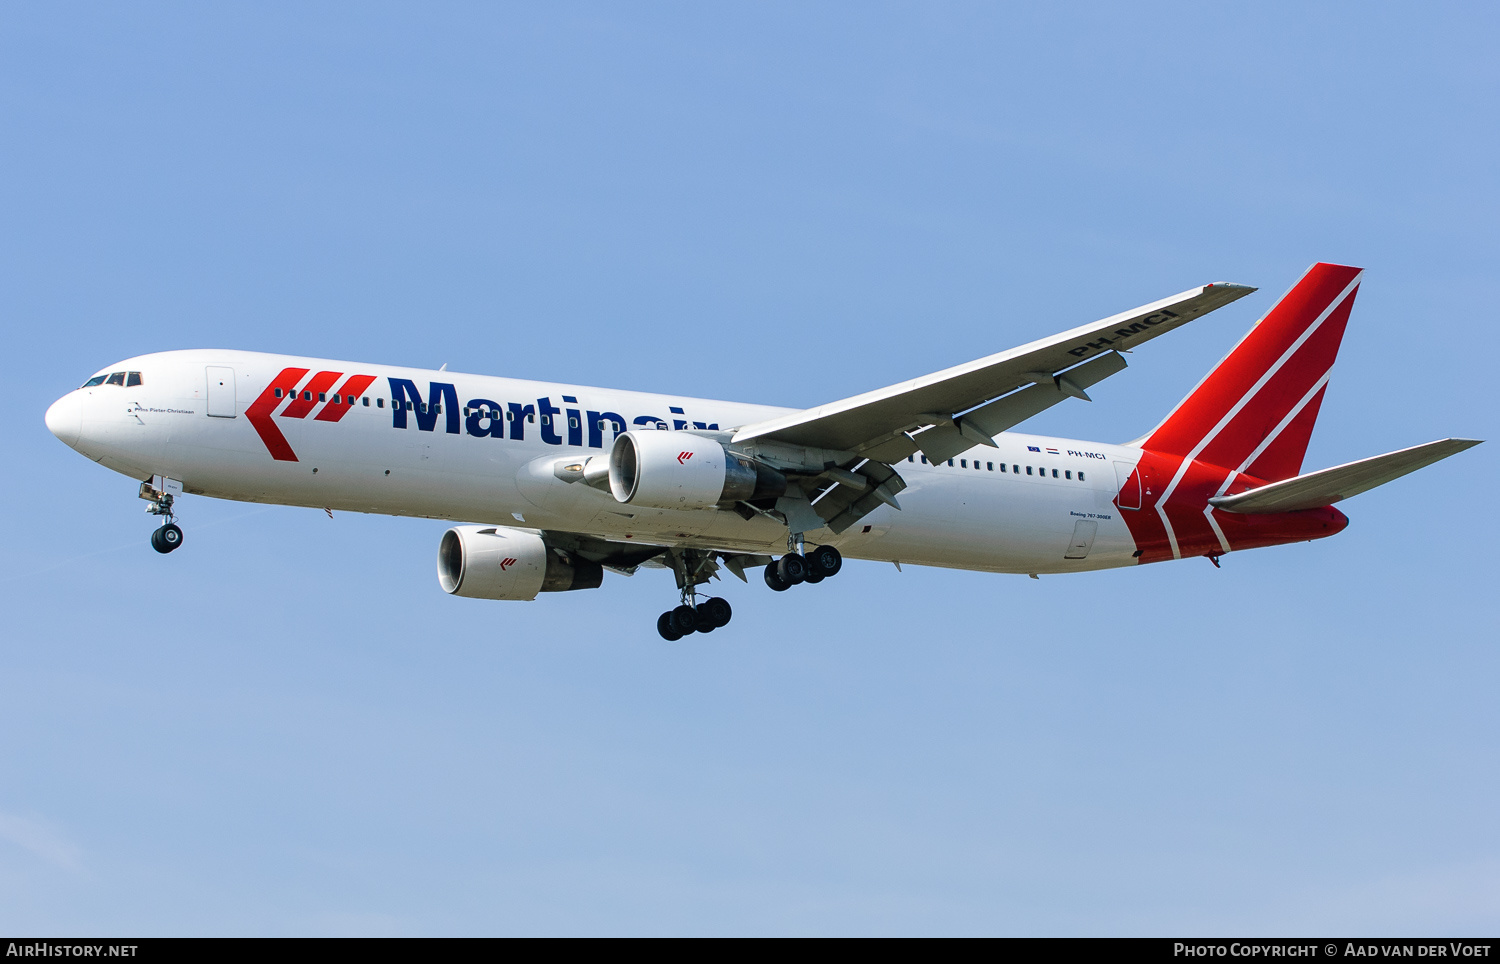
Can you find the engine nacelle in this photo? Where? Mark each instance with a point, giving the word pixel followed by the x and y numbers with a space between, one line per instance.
pixel 680 470
pixel 493 562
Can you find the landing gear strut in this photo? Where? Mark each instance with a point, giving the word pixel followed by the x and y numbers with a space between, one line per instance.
pixel 693 567
pixel 798 566
pixel 169 535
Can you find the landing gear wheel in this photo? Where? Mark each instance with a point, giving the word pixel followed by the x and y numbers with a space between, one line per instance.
pixel 167 538
pixel 713 613
pixel 684 619
pixel 813 579
pixel 664 626
pixel 774 580
pixel 792 569
pixel 825 561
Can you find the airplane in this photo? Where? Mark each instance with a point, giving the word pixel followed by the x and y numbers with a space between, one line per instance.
pixel 556 484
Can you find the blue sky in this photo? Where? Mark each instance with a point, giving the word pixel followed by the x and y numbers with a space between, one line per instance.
pixel 287 728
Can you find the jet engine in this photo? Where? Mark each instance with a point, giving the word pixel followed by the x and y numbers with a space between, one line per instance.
pixel 490 562
pixel 680 470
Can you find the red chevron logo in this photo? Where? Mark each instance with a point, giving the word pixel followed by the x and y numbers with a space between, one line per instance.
pixel 300 400
pixel 682 457
pixel 506 564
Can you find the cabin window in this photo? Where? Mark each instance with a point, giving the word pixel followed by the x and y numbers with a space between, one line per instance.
pixel 1054 473
pixel 132 379
pixel 924 460
pixel 510 416
pixel 1080 475
pixel 950 463
pixel 1002 466
pixel 1067 475
pixel 912 459
pixel 572 421
pixel 963 463
pixel 380 403
pixel 278 393
pixel 115 378
pixel 1028 470
pixel 546 419
pixel 991 466
pixel 322 396
pixel 366 401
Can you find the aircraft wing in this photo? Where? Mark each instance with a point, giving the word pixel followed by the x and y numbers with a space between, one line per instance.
pixel 1328 486
pixel 953 410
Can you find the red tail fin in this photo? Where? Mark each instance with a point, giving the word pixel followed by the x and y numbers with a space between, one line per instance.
pixel 1254 412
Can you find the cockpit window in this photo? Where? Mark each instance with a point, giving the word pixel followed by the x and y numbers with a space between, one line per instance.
pixel 124 379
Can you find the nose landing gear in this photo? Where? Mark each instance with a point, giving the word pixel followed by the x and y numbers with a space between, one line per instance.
pixel 161 493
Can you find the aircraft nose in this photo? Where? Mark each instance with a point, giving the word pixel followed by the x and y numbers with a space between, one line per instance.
pixel 65 418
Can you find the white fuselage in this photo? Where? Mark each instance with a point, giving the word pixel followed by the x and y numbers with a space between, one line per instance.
pixel 499 470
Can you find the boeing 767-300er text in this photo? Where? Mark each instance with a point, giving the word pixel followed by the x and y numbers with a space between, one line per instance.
pixel 562 482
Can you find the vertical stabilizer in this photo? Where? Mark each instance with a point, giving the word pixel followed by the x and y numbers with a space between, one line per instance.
pixel 1254 412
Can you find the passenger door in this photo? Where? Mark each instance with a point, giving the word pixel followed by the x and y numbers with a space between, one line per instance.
pixel 1130 486
pixel 221 400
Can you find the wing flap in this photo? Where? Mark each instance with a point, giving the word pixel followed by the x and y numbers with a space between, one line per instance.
pixel 943 442
pixel 1316 489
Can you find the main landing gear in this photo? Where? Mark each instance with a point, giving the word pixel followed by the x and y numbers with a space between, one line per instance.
pixel 693 567
pixel 696 566
pixel 169 535
pixel 705 617
pixel 812 567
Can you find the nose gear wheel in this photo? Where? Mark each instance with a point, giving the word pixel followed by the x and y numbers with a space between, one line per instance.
pixel 169 536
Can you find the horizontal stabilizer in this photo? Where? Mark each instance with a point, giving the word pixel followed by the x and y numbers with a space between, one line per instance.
pixel 1328 486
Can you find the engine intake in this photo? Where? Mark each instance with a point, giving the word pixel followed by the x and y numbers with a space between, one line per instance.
pixel 680 470
pixel 492 562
